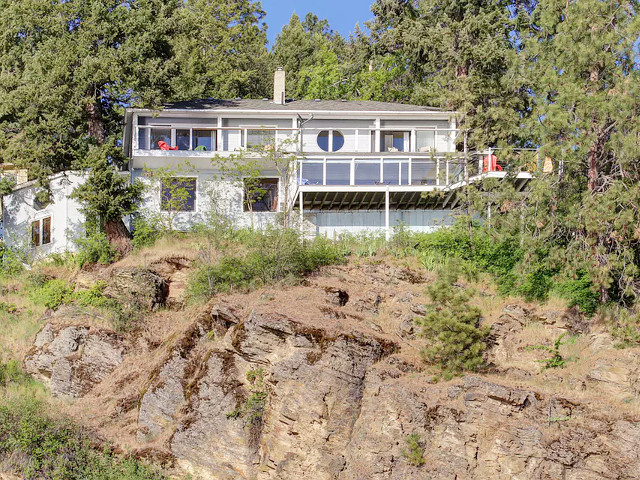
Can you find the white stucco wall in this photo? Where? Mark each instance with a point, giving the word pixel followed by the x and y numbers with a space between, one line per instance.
pixel 213 196
pixel 66 218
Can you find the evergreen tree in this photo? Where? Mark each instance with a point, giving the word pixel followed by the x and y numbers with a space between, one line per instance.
pixel 451 327
pixel 220 50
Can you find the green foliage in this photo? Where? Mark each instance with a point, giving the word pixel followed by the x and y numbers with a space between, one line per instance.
pixel 11 260
pixel 269 256
pixel 413 451
pixel 623 324
pixel 579 291
pixel 555 358
pixel 12 374
pixel 37 446
pixel 251 411
pixel 94 297
pixel 451 326
pixel 52 293
pixel 94 248
pixel 146 230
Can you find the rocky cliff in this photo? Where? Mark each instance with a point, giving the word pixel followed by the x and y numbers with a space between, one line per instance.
pixel 323 381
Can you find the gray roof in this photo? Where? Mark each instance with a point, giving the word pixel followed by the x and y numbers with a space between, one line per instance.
pixel 299 105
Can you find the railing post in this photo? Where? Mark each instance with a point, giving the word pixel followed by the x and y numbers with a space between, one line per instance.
pixel 387 233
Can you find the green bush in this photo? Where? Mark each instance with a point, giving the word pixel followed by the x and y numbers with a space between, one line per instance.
pixel 268 257
pixel 94 297
pixel 94 248
pixel 53 293
pixel 451 326
pixel 413 452
pixel 12 374
pixel 146 231
pixel 11 260
pixel 555 358
pixel 36 446
pixel 580 292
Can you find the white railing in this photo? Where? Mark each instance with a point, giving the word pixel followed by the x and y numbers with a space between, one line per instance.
pixel 426 169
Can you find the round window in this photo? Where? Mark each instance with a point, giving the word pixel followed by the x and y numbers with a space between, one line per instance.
pixel 324 140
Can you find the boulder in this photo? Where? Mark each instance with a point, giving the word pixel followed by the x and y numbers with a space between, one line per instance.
pixel 137 288
pixel 72 359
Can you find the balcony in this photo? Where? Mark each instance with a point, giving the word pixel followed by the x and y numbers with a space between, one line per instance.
pixel 168 140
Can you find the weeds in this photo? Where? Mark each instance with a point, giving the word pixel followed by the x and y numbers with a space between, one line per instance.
pixel 252 410
pixel 555 358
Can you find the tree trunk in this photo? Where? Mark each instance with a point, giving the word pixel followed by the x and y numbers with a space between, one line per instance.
pixel 118 236
pixel 117 233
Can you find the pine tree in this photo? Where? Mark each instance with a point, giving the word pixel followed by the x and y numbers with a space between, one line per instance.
pixel 451 326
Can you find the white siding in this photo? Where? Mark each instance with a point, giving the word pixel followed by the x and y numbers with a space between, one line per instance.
pixel 66 218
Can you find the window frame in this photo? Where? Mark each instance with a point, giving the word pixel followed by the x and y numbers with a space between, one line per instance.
pixel 40 231
pixel 276 198
pixel 245 129
pixel 330 143
pixel 195 194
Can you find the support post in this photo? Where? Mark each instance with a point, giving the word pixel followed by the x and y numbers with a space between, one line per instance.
pixel 386 215
pixel 301 214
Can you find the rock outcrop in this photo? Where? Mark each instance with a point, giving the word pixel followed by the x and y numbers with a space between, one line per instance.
pixel 72 359
pixel 315 384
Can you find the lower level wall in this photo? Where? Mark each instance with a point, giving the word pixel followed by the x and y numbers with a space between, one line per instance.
pixel 332 224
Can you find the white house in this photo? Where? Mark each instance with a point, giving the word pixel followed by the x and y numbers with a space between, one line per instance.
pixel 359 165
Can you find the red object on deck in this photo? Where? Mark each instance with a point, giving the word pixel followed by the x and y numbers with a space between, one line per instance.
pixel 165 146
pixel 490 164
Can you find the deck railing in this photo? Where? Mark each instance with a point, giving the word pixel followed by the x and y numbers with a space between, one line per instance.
pixel 429 170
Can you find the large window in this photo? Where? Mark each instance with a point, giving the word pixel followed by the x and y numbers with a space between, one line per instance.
pixel 330 140
pixel 260 138
pixel 261 195
pixel 178 194
pixel 204 140
pixel 41 232
pixel 160 135
pixel 394 141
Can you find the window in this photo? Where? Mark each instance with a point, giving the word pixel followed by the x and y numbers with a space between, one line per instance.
pixel 330 140
pixel 160 135
pixel 260 138
pixel 262 195
pixel 182 139
pixel 394 141
pixel 41 232
pixel 204 140
pixel 178 194
pixel 426 140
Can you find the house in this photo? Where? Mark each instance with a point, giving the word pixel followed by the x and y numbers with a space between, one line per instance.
pixel 352 166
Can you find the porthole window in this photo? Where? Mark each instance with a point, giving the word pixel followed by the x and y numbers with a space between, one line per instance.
pixel 330 140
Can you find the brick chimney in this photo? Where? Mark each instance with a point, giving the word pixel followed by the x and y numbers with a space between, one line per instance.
pixel 278 86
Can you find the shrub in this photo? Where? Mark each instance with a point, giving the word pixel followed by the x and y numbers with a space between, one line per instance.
pixel 555 359
pixel 624 325
pixel 451 326
pixel 146 231
pixel 37 446
pixel 579 291
pixel 94 248
pixel 268 257
pixel 11 260
pixel 53 293
pixel 94 297
pixel 252 409
pixel 11 373
pixel 413 452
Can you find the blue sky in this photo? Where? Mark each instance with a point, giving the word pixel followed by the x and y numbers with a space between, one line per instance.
pixel 342 14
